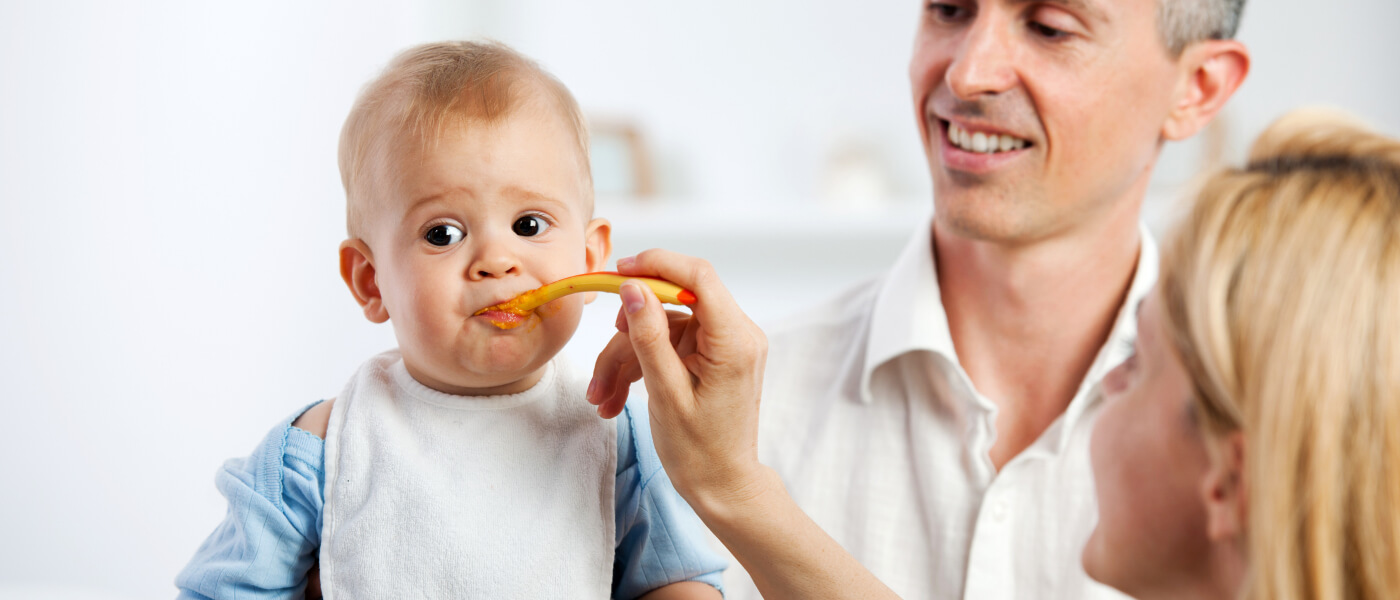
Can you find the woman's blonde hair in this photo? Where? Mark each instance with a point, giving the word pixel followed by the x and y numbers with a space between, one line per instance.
pixel 1282 296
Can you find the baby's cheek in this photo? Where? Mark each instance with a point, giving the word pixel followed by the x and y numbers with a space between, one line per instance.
pixel 563 308
pixel 551 310
pixel 560 318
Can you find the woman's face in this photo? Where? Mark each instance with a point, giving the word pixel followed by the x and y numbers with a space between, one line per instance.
pixel 1150 471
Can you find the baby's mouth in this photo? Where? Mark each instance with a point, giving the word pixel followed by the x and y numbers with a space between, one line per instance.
pixel 509 314
pixel 503 319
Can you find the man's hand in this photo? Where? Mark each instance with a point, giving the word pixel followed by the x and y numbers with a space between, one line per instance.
pixel 703 373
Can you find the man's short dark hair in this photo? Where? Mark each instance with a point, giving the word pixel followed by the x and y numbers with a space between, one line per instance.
pixel 1183 22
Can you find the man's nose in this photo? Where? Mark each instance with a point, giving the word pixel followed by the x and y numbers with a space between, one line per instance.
pixel 493 259
pixel 983 64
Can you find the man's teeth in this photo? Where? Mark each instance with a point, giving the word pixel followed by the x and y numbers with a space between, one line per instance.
pixel 982 142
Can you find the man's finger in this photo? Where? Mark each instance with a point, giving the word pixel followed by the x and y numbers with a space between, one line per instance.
pixel 678 320
pixel 612 401
pixel 686 342
pixel 617 368
pixel 608 371
pixel 612 394
pixel 650 332
pixel 715 307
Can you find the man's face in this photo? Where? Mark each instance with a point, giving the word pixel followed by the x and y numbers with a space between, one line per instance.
pixel 1074 94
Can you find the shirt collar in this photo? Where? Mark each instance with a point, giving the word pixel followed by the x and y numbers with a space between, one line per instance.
pixel 1120 339
pixel 909 316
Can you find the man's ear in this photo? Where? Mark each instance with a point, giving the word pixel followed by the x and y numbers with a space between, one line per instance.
pixel 598 242
pixel 1225 491
pixel 357 269
pixel 1211 71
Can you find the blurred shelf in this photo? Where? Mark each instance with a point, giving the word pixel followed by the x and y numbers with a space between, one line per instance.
pixel 750 219
pixel 765 250
pixel 783 229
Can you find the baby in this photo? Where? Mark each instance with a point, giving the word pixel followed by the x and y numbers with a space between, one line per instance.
pixel 465 463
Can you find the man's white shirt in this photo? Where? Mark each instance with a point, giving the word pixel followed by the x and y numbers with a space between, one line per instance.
pixel 880 436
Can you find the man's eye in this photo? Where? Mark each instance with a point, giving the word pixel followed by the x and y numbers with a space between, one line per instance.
pixel 946 12
pixel 1047 32
pixel 443 235
pixel 529 226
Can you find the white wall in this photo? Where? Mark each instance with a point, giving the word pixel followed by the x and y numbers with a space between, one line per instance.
pixel 764 88
pixel 1344 54
pixel 170 207
pixel 169 213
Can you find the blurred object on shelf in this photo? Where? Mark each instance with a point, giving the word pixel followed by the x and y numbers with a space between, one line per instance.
pixel 621 160
pixel 854 177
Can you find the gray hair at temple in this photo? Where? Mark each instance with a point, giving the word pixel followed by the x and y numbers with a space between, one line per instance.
pixel 1183 22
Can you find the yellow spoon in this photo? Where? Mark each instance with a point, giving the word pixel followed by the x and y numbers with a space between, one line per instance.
pixel 603 281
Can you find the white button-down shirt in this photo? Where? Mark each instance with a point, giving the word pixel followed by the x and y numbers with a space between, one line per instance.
pixel 881 437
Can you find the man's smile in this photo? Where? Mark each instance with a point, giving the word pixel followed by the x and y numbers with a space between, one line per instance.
pixel 984 142
pixel 977 149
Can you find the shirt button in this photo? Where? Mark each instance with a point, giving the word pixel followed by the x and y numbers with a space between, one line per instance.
pixel 999 511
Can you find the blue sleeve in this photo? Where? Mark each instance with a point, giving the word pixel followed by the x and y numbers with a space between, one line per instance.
pixel 268 539
pixel 660 541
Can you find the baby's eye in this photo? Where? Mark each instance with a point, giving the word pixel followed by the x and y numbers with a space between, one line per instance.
pixel 529 226
pixel 443 235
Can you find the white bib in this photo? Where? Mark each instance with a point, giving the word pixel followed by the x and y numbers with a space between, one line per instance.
pixel 430 495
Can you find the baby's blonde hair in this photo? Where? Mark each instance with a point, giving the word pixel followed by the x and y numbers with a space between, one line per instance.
pixel 1282 297
pixel 429 87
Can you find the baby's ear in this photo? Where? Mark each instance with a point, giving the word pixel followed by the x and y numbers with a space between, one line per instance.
pixel 357 269
pixel 598 243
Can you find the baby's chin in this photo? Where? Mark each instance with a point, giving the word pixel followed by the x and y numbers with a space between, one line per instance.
pixel 481 379
pixel 482 359
pixel 502 365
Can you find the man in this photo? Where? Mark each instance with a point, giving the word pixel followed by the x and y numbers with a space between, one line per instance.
pixel 936 422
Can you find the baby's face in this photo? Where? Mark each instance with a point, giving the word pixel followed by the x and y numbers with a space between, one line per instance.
pixel 488 212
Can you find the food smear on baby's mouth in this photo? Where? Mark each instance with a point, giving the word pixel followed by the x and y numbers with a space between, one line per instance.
pixel 505 320
pixel 511 313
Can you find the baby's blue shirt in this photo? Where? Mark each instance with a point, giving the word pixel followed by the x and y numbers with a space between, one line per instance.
pixel 270 536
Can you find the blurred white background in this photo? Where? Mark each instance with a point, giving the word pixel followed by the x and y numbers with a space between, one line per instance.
pixel 170 210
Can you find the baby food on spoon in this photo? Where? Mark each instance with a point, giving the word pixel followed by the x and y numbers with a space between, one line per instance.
pixel 512 313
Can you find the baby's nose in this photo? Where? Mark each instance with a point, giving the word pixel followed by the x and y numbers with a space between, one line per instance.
pixel 493 266
pixel 486 273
